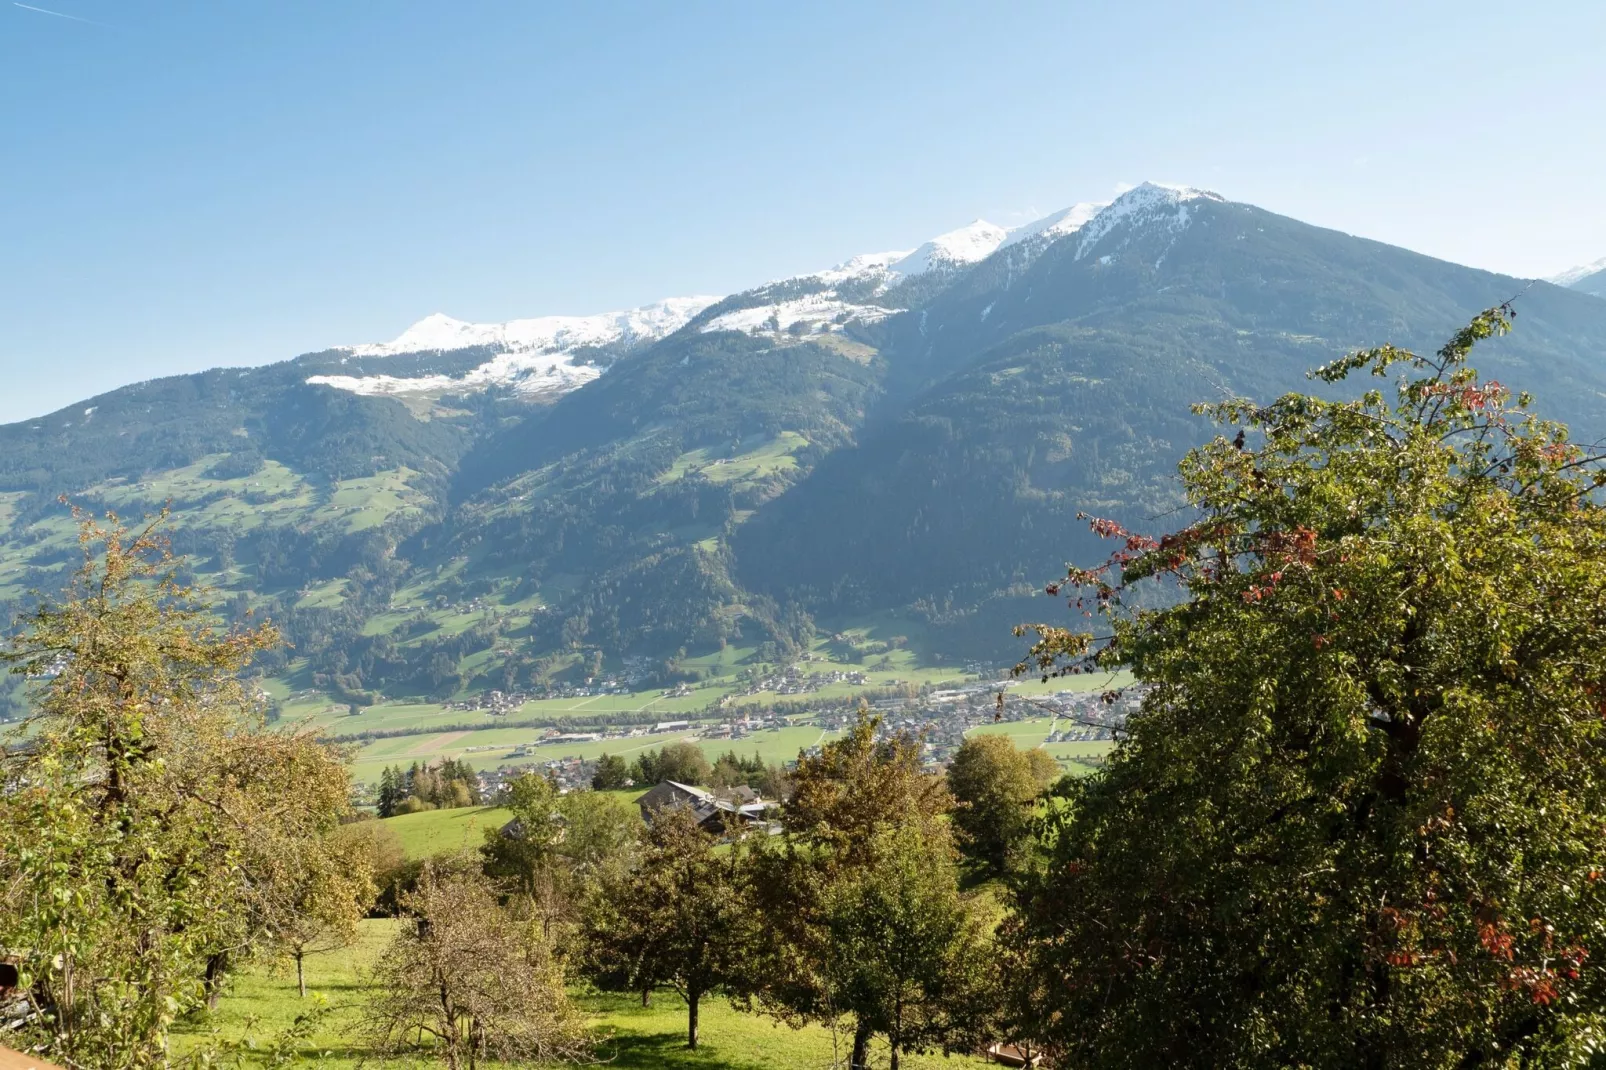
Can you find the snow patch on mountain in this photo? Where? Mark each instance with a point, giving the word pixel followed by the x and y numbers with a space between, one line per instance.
pixel 534 356
pixel 825 310
pixel 531 375
pixel 957 248
pixel 1148 205
pixel 858 267
pixel 813 314
pixel 1577 274
pixel 547 334
pixel 1052 227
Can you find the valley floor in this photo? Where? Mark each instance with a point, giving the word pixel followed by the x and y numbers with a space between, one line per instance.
pixel 263 1006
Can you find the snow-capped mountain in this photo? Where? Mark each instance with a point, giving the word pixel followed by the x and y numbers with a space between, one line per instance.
pixel 548 355
pixel 819 302
pixel 535 356
pixel 1148 206
pixel 1582 271
pixel 1590 278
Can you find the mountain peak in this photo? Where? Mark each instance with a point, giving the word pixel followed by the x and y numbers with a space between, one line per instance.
pixel 966 245
pixel 1582 271
pixel 1146 204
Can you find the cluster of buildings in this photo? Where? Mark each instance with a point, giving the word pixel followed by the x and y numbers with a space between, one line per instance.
pixel 793 681
pixel 570 774
pixel 495 702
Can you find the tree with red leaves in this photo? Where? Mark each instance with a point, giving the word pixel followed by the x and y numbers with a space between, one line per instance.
pixel 1360 818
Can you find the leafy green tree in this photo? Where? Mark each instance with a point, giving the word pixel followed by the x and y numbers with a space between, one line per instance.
pixel 316 898
pixel 682 762
pixel 866 831
pixel 599 835
pixel 902 951
pixel 857 786
pixel 612 774
pixel 676 919
pixel 556 846
pixel 147 812
pixel 521 852
pixel 1357 820
pixel 995 786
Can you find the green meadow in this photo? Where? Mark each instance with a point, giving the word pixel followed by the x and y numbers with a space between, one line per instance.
pixel 256 1016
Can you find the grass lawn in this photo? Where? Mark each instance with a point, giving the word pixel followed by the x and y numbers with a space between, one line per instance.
pixel 436 831
pixel 263 1003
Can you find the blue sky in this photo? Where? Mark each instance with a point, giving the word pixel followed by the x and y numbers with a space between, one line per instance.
pixel 184 185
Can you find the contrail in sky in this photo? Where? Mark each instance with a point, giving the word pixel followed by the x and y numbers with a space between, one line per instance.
pixel 58 14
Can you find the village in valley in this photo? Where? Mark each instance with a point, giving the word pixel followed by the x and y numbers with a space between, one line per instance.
pixel 940 718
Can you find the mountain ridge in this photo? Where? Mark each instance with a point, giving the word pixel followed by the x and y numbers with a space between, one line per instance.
pixel 744 474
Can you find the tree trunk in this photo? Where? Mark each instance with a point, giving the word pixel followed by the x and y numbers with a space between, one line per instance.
pixel 861 1047
pixel 301 976
pixel 893 1065
pixel 212 982
pixel 646 997
pixel 692 998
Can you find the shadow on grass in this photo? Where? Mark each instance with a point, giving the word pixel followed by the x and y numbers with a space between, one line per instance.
pixel 650 1050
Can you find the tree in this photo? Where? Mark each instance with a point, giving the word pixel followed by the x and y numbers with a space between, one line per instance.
pixel 995 787
pixel 147 806
pixel 558 844
pixel 392 790
pixel 1357 820
pixel 683 763
pixel 1045 770
pixel 677 919
pixel 521 852
pixel 865 830
pixel 599 835
pixel 902 951
pixel 474 978
pixel 613 773
pixel 318 896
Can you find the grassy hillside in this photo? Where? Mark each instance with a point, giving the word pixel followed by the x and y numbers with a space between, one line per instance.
pixel 439 831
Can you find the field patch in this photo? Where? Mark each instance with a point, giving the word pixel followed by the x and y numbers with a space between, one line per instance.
pixel 437 745
pixel 726 465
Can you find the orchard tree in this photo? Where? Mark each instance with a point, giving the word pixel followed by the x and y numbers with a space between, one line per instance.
pixel 317 896
pixel 556 845
pixel 677 919
pixel 146 804
pixel 862 919
pixel 522 854
pixel 902 951
pixel 1360 818
pixel 473 977
pixel 995 786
